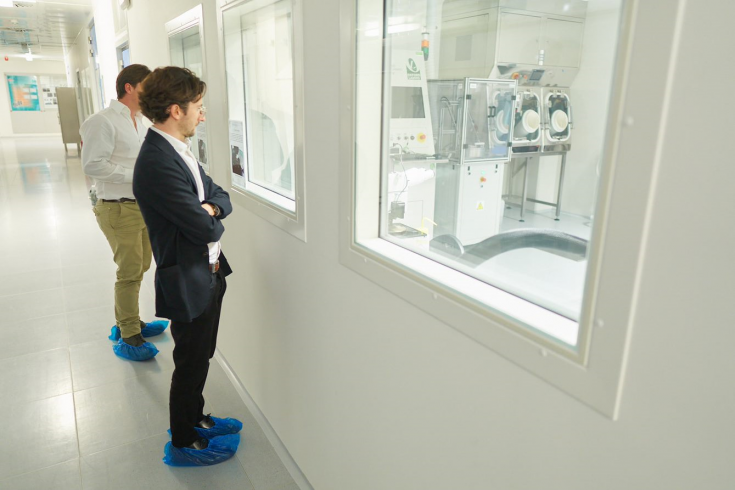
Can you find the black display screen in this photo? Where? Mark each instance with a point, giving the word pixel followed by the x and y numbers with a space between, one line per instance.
pixel 407 103
pixel 536 75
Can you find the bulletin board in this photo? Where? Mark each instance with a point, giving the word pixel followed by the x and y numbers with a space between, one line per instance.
pixel 23 90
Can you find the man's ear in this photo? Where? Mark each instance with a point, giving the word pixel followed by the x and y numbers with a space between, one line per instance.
pixel 129 88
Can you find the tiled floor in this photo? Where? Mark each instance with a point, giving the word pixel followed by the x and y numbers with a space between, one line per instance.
pixel 77 417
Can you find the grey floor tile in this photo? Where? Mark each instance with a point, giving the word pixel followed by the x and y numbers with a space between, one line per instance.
pixel 99 271
pixel 139 465
pixel 64 476
pixel 119 413
pixel 95 324
pixel 31 336
pixel 263 467
pixel 30 281
pixel 94 363
pixel 43 434
pixel 21 227
pixel 90 325
pixel 89 295
pixel 79 256
pixel 34 377
pixel 27 306
pixel 16 260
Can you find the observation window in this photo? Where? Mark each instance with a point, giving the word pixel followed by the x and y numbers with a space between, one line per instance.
pixel 258 39
pixel 489 125
pixel 186 41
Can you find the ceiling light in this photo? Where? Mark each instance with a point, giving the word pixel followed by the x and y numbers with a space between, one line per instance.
pixel 29 57
pixel 6 3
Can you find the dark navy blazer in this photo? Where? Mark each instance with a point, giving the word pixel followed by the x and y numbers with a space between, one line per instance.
pixel 179 228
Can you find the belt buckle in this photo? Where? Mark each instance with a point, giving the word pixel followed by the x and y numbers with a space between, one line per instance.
pixel 214 268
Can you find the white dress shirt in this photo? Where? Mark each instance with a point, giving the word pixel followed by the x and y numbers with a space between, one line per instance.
pixel 110 146
pixel 185 153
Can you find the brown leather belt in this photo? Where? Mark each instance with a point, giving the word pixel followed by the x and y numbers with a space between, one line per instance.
pixel 213 268
pixel 121 200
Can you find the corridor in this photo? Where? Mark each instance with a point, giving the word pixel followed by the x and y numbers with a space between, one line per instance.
pixel 75 415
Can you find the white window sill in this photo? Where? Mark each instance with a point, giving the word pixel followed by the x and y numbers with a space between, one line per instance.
pixel 546 322
pixel 284 203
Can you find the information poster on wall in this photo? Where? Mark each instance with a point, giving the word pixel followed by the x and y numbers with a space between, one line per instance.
pixel 47 85
pixel 237 153
pixel 23 90
pixel 201 143
pixel 49 97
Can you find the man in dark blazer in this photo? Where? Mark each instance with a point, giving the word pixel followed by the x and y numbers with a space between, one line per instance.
pixel 183 210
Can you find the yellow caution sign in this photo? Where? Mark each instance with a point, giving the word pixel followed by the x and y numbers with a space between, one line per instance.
pixel 480 205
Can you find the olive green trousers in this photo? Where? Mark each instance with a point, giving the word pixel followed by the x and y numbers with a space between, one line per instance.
pixel 127 235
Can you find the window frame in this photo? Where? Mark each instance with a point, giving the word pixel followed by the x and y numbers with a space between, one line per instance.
pixel 265 203
pixel 594 374
pixel 191 18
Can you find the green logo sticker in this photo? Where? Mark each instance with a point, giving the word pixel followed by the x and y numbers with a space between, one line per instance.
pixel 412 70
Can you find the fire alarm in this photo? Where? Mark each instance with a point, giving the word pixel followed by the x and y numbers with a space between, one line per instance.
pixel 7 59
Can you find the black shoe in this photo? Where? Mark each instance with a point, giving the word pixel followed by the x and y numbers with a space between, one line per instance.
pixel 206 422
pixel 199 444
pixel 135 340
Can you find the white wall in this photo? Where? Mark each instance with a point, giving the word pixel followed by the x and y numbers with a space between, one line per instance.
pixel 13 124
pixel 79 58
pixel 106 47
pixel 368 392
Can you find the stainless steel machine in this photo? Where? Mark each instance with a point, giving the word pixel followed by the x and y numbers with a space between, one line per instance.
pixel 538 43
pixel 473 123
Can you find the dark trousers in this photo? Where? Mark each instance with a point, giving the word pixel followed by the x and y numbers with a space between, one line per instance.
pixel 195 345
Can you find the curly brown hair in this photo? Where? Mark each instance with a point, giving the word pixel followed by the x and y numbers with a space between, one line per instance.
pixel 133 74
pixel 169 86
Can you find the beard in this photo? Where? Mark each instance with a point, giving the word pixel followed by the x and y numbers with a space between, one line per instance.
pixel 189 132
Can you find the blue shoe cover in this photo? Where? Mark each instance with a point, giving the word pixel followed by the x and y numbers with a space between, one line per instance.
pixel 221 427
pixel 142 353
pixel 115 334
pixel 151 330
pixel 220 449
pixel 154 328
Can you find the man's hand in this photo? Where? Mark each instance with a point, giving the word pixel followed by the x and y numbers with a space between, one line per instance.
pixel 209 208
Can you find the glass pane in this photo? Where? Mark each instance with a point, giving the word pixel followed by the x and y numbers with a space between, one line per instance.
pixel 126 57
pixel 259 63
pixel 491 134
pixel 186 51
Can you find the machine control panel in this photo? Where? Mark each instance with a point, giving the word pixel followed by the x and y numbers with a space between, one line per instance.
pixel 405 137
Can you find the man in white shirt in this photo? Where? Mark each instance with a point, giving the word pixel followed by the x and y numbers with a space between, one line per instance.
pixel 111 143
pixel 183 209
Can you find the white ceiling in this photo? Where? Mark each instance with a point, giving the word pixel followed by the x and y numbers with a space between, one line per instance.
pixel 44 26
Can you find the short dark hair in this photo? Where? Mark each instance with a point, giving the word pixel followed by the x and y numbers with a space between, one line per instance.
pixel 168 86
pixel 133 74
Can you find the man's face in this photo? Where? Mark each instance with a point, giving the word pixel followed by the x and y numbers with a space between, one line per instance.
pixel 194 115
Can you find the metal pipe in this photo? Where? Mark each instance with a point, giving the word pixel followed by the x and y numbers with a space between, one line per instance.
pixel 561 185
pixel 525 190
